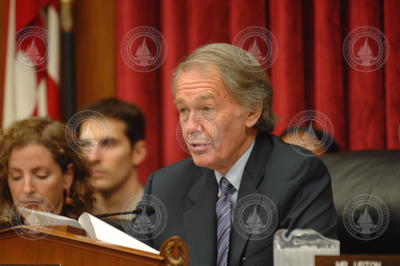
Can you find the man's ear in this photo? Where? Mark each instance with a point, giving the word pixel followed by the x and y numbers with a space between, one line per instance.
pixel 253 116
pixel 68 177
pixel 139 152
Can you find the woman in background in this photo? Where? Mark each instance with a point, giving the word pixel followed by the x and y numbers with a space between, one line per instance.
pixel 39 170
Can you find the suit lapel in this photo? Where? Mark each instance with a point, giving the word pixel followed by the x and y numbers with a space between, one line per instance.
pixel 238 241
pixel 253 175
pixel 199 219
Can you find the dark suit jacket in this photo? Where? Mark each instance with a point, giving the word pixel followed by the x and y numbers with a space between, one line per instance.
pixel 298 185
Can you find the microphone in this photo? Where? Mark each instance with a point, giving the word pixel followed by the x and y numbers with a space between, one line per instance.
pixel 148 209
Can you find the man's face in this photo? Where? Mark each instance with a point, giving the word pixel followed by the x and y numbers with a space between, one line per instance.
pixel 109 153
pixel 216 128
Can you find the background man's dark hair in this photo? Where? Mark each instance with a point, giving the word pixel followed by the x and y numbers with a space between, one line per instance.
pixel 126 112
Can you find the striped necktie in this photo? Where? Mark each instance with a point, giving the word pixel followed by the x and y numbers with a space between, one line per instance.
pixel 223 209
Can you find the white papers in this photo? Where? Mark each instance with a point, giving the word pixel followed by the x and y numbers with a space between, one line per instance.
pixel 94 227
pixel 39 218
pixel 97 229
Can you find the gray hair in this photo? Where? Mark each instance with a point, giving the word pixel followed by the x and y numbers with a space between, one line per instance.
pixel 241 73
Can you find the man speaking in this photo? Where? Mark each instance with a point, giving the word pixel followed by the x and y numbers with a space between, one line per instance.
pixel 241 183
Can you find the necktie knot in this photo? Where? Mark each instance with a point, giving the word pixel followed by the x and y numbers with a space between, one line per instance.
pixel 225 186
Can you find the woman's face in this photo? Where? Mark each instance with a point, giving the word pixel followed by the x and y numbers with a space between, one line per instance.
pixel 35 180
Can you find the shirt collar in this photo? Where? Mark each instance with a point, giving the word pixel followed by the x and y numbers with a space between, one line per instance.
pixel 234 175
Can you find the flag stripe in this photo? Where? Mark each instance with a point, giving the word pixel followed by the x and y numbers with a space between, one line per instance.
pixel 31 73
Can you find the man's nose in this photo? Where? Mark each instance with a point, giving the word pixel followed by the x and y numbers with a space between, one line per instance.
pixel 194 124
pixel 93 154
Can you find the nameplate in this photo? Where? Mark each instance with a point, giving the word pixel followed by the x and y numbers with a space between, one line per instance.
pixel 358 260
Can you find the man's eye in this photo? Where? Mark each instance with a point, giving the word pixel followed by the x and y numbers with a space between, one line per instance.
pixel 106 142
pixel 86 144
pixel 183 113
pixel 208 112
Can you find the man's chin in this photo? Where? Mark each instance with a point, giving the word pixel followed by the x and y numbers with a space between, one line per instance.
pixel 202 160
pixel 100 185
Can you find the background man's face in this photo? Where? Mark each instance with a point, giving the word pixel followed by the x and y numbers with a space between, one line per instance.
pixel 212 120
pixel 109 153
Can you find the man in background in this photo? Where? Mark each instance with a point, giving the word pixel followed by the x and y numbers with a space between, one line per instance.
pixel 116 147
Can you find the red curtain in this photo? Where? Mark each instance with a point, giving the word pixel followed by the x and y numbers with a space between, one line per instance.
pixel 310 72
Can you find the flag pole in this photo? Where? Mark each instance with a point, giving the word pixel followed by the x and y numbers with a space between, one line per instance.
pixel 67 59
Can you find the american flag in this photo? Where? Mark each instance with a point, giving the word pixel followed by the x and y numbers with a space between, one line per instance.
pixel 32 61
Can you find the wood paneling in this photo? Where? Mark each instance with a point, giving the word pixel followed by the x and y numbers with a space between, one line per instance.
pixel 60 248
pixel 94 50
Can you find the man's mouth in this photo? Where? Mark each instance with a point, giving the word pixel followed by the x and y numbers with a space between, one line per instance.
pixel 97 173
pixel 198 147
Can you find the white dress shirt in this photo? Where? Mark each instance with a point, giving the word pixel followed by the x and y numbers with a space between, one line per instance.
pixel 235 174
